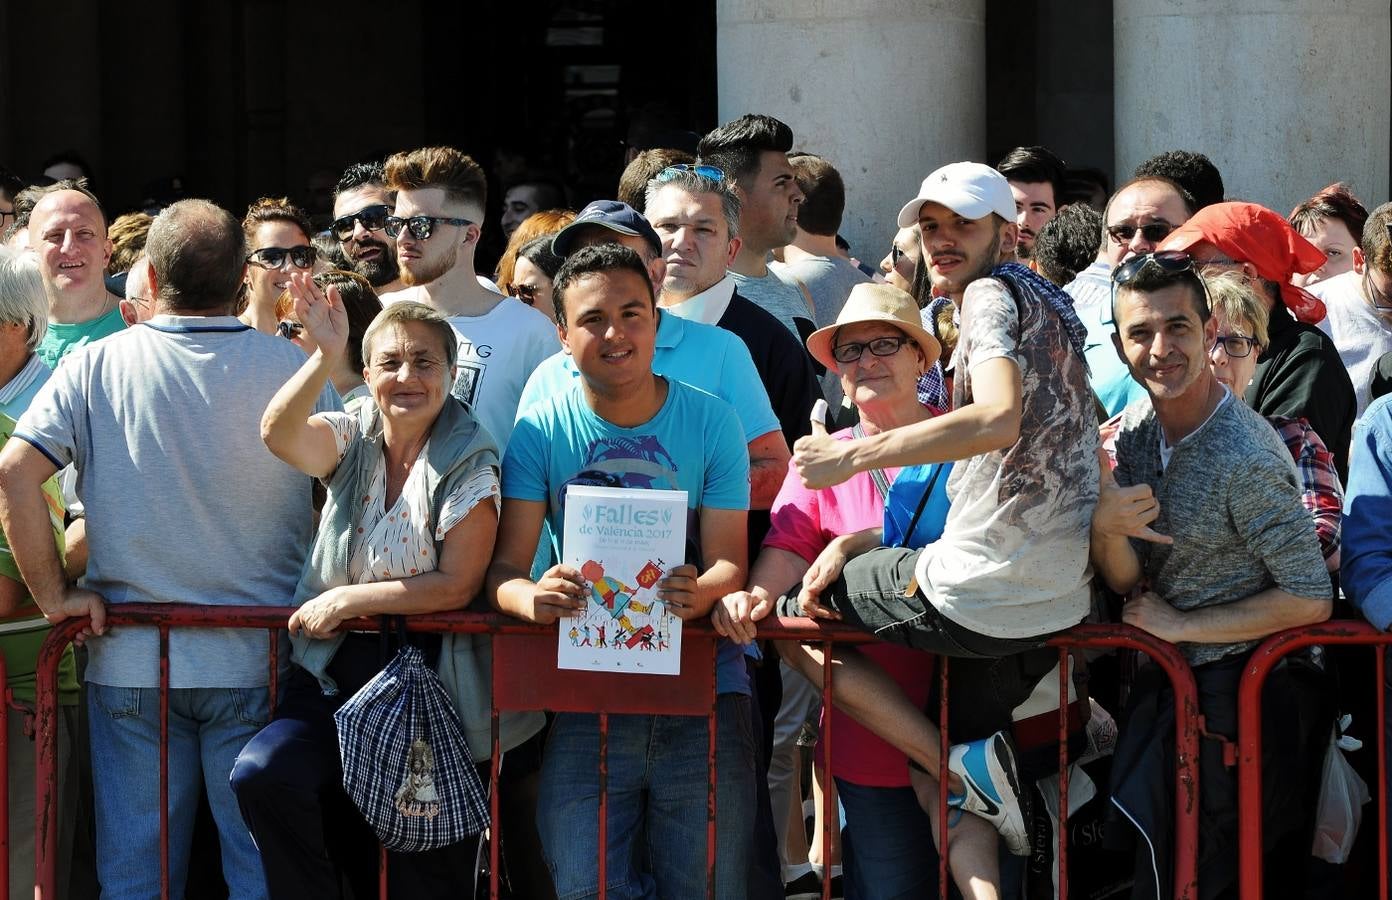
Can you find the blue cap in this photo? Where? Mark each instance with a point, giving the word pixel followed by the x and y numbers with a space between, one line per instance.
pixel 617 217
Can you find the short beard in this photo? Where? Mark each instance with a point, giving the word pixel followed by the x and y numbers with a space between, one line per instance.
pixel 989 260
pixel 381 271
pixel 426 276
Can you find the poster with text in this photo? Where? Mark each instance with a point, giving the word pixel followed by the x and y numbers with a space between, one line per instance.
pixel 623 542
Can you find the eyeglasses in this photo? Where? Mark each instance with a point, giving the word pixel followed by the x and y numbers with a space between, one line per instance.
pixel 710 172
pixel 373 218
pixel 301 257
pixel 896 254
pixel 420 227
pixel 288 329
pixel 1237 346
pixel 1153 232
pixel 882 346
pixel 527 293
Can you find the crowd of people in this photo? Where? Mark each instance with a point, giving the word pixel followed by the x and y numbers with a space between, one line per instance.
pixel 1163 409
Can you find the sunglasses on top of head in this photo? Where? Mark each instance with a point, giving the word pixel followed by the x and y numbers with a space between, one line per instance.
pixel 420 227
pixel 709 172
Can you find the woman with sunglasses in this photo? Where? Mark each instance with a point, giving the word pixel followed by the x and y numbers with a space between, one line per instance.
pixel 533 274
pixel 278 243
pixel 408 528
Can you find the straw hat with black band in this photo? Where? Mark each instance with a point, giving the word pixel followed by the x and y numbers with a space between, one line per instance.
pixel 875 303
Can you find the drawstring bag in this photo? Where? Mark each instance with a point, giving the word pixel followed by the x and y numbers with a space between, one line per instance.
pixel 406 765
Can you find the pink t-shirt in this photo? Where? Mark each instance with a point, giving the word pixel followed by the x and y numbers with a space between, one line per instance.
pixel 804 522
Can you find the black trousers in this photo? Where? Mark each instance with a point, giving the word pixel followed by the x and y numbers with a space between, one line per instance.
pixel 289 784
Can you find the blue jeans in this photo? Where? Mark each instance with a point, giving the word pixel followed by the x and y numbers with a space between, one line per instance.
pixel 657 796
pixel 207 729
pixel 887 846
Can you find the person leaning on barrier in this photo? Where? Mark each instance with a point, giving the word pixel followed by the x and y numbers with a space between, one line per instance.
pixel 621 424
pixel 1202 524
pixel 407 528
pixel 23 319
pixel 222 522
pixel 879 349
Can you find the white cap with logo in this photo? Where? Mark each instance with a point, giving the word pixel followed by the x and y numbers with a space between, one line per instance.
pixel 969 189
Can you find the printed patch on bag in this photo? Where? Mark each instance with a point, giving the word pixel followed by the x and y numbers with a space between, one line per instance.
pixel 417 797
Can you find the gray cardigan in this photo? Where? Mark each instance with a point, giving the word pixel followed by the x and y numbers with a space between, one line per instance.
pixel 458 448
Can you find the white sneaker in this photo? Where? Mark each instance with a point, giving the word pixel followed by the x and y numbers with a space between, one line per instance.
pixel 987 769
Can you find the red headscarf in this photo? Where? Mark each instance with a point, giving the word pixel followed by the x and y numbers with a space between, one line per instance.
pixel 1249 233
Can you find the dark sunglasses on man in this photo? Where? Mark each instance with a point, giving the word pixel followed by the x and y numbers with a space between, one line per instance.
pixel 420 227
pixel 301 256
pixel 1153 232
pixel 372 218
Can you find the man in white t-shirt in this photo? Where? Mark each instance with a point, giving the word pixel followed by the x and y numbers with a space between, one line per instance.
pixel 1359 306
pixel 440 195
pixel 1011 567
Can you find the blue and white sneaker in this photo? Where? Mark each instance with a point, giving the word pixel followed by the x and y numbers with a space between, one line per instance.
pixel 987 768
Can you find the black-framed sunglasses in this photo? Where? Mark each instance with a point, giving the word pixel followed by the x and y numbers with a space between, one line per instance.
pixel 288 329
pixel 1153 232
pixel 896 254
pixel 1237 346
pixel 1173 262
pixel 882 346
pixel 373 218
pixel 527 293
pixel 301 256
pixel 420 227
pixel 711 172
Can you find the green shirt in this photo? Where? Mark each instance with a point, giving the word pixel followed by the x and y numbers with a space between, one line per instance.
pixel 63 338
pixel 23 632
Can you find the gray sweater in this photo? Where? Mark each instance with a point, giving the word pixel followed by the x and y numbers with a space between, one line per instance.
pixel 1230 498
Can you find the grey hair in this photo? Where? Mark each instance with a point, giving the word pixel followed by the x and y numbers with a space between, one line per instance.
pixel 22 297
pixel 410 311
pixel 697 185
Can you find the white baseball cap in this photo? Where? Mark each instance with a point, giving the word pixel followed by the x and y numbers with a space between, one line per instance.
pixel 969 189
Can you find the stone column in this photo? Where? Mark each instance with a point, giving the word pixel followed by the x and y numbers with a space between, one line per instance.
pixel 1285 97
pixel 886 90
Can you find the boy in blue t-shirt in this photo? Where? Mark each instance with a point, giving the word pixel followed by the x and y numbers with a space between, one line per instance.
pixel 621 424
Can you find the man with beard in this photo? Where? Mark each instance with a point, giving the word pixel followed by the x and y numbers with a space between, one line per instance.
pixel 440 195
pixel 360 207
pixel 1011 567
pixel 752 152
pixel 1037 178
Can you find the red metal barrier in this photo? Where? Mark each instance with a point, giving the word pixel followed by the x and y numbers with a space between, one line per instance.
pixel 1249 738
pixel 561 693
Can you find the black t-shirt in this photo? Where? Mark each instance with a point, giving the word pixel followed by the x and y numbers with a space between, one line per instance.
pixel 1301 375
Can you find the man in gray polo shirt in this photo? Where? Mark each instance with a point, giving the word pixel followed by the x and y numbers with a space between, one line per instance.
pixel 184 504
pixel 1203 511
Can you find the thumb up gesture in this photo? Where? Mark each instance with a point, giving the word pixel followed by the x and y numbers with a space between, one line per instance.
pixel 820 459
pixel 1125 511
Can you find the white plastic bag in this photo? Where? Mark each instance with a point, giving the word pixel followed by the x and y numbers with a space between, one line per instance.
pixel 1341 799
